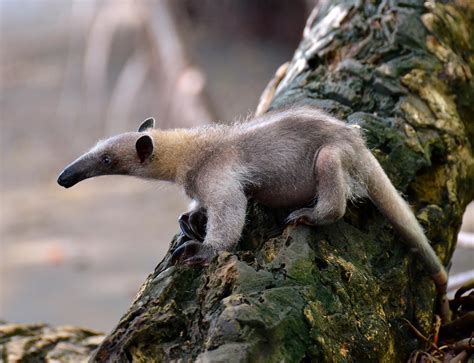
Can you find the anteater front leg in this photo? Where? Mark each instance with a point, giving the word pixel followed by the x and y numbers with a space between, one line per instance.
pixel 226 206
pixel 332 190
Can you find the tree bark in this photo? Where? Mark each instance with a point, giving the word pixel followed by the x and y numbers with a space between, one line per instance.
pixel 402 71
pixel 27 343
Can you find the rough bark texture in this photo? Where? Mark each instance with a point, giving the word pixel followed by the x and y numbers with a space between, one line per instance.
pixel 402 71
pixel 41 343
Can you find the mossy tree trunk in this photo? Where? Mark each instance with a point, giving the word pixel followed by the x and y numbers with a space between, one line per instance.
pixel 402 71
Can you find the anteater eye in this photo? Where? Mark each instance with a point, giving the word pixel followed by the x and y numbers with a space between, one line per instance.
pixel 106 159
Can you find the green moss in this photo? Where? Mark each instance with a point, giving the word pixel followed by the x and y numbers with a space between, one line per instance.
pixel 285 330
pixel 337 293
pixel 399 161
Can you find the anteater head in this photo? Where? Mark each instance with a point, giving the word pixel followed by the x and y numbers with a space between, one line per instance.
pixel 125 154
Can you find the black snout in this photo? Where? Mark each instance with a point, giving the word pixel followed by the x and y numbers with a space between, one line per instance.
pixel 78 170
pixel 68 178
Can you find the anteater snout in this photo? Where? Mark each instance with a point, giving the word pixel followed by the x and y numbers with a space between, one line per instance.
pixel 67 178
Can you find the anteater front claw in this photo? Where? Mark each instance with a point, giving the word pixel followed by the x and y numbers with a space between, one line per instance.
pixel 198 224
pixel 301 216
pixel 183 221
pixel 192 253
pixel 181 239
pixel 193 224
pixel 185 251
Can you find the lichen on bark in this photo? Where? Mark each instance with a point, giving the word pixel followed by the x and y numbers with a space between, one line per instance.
pixel 402 71
pixel 41 343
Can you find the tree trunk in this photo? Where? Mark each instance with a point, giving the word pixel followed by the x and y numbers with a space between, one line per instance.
pixel 32 343
pixel 402 71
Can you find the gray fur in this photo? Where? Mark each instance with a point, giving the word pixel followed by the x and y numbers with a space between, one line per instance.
pixel 292 158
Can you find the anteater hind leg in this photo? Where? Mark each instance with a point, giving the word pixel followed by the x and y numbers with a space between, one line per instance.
pixel 331 191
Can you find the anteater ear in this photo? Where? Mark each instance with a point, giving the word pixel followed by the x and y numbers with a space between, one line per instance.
pixel 144 146
pixel 149 123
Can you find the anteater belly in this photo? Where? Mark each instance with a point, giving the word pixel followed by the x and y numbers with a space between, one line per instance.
pixel 285 195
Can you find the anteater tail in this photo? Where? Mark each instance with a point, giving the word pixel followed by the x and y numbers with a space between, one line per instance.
pixel 384 195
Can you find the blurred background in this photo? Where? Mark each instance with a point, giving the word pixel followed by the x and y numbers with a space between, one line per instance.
pixel 73 72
